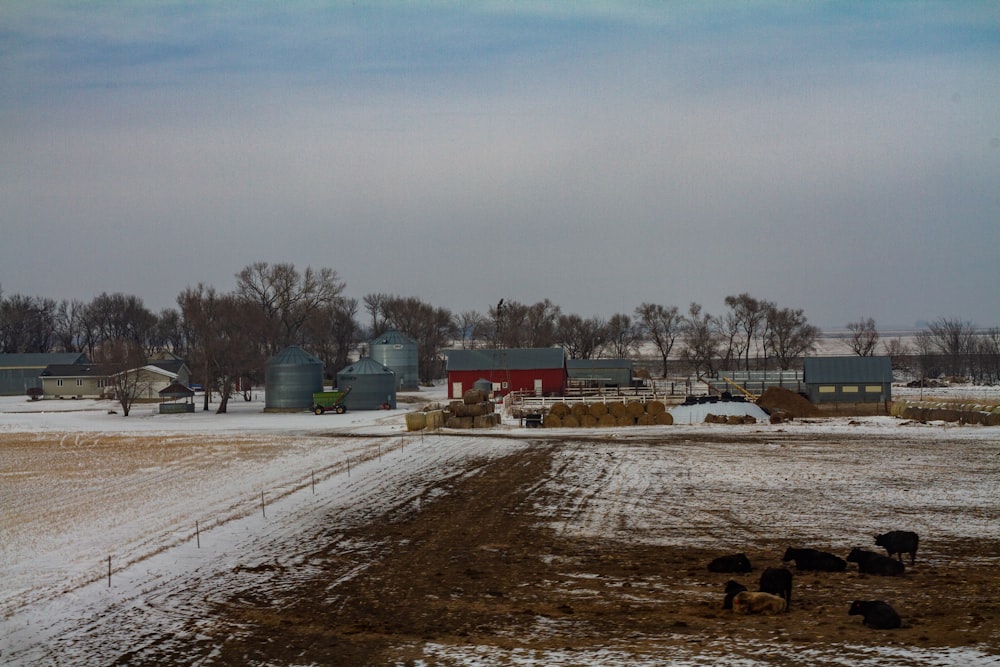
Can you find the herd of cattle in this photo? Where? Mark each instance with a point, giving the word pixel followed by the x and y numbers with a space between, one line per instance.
pixel 775 592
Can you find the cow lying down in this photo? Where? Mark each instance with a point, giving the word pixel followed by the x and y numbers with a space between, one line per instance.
pixel 749 602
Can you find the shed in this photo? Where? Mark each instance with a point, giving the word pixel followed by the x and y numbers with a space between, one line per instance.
pixel 541 371
pixel 847 379
pixel 176 398
pixel 373 385
pixel 600 372
pixel 399 353
pixel 22 371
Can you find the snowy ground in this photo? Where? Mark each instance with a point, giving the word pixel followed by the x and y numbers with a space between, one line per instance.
pixel 181 504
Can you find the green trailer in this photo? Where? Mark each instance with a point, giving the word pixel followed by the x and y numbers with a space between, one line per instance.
pixel 330 400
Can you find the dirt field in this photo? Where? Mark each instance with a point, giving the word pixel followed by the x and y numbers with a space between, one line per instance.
pixel 591 550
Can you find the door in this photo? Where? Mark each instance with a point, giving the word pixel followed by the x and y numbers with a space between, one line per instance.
pixel 456 390
pixel 538 386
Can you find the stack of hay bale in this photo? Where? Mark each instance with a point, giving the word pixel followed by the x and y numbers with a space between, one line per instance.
pixel 606 415
pixel 473 411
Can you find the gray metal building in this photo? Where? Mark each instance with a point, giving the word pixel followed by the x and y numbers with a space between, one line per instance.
pixel 290 379
pixel 20 372
pixel 373 386
pixel 399 353
pixel 600 372
pixel 847 379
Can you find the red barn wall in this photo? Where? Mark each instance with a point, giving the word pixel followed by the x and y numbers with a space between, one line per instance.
pixel 553 380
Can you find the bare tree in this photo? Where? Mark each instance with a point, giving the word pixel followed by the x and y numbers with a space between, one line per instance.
pixel 745 322
pixel 700 340
pixel 789 334
pixel 223 341
pixel 954 340
pixel 69 326
pixel 581 338
pixel 373 306
pixel 864 337
pixel 121 361
pixel 898 353
pixel 472 327
pixel 623 336
pixel 27 324
pixel 285 299
pixel 662 325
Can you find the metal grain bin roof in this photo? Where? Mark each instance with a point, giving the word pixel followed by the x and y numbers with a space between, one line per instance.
pixel 838 370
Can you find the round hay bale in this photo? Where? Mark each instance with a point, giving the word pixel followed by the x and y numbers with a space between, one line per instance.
pixel 598 410
pixel 559 410
pixel 578 410
pixel 664 419
pixel 617 409
pixel 416 421
pixel 570 421
pixel 625 420
pixel 635 408
pixel 552 421
pixel 606 421
pixel 733 420
pixel 656 407
pixel 473 396
pixel 645 419
pixel 588 421
pixel 747 419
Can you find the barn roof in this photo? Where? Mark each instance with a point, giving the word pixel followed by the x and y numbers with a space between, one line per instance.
pixel 834 370
pixel 73 371
pixel 523 358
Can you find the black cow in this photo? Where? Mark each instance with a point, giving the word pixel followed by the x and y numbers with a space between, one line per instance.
pixel 870 562
pixel 899 542
pixel 732 588
pixel 777 581
pixel 811 559
pixel 732 563
pixel 877 614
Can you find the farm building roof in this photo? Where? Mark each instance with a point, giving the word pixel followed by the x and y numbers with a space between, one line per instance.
pixel 835 370
pixel 598 363
pixel 523 358
pixel 40 359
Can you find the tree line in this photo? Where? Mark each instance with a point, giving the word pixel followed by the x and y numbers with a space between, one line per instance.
pixel 227 337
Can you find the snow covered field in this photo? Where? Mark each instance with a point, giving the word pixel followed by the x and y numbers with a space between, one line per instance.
pixel 184 507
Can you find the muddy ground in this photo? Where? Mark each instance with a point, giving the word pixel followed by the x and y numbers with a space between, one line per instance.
pixel 470 564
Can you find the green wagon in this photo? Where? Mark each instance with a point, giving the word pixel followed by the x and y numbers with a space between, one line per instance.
pixel 330 400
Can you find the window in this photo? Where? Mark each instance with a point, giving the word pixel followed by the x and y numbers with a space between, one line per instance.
pixel 873 389
pixel 849 389
pixel 79 382
pixel 59 383
pixel 828 390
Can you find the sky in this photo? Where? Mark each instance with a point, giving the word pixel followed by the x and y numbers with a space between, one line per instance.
pixel 842 158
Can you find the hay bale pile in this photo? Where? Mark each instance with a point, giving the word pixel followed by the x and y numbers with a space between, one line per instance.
pixel 790 405
pixel 965 413
pixel 607 415
pixel 473 411
pixel 732 420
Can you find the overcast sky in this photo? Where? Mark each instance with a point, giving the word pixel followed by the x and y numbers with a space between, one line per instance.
pixel 843 158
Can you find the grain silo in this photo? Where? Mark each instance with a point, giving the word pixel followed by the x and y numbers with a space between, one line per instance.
pixel 373 386
pixel 398 352
pixel 290 378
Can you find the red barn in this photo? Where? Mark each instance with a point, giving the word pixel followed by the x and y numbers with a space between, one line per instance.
pixel 538 370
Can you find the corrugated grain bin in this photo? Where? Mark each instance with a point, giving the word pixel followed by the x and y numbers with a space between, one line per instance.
pixel 399 353
pixel 373 386
pixel 290 379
